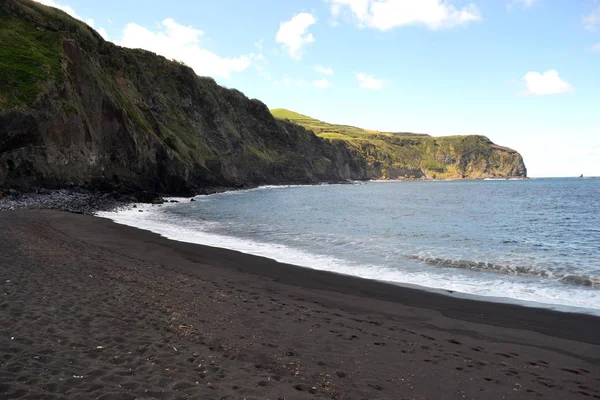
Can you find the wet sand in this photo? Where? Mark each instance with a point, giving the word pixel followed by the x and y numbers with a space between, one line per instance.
pixel 94 310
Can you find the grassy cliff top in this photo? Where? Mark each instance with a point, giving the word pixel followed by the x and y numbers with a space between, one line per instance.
pixel 350 133
pixel 334 131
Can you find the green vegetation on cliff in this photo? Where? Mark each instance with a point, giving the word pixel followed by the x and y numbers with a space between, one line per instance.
pixel 29 58
pixel 393 155
pixel 76 110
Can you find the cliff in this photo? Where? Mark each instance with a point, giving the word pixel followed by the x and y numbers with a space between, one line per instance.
pixel 403 155
pixel 77 111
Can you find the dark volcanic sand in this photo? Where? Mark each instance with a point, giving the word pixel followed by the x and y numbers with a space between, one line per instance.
pixel 91 309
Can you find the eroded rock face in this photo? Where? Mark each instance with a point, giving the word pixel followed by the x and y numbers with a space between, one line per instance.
pixel 91 114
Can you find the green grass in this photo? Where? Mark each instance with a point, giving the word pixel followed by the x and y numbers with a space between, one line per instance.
pixel 336 136
pixel 282 113
pixel 334 131
pixel 30 61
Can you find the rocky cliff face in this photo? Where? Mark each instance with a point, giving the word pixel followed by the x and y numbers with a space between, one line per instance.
pixel 77 111
pixel 426 157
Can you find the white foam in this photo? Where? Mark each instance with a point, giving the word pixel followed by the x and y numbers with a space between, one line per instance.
pixel 501 288
pixel 264 187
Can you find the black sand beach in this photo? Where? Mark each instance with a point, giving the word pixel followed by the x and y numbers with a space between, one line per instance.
pixel 94 310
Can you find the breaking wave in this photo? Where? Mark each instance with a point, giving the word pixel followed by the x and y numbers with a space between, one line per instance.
pixel 568 278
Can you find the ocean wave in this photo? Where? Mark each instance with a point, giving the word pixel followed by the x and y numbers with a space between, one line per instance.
pixel 568 278
pixel 155 219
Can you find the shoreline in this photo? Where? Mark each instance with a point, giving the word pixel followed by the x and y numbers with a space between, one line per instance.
pixel 93 308
pixel 216 241
pixel 407 294
pixel 83 200
pixel 95 203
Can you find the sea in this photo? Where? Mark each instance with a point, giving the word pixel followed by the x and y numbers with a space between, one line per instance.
pixel 534 242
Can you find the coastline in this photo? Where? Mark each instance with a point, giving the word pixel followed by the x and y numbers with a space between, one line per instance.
pixel 442 300
pixel 103 204
pixel 302 259
pixel 84 200
pixel 256 328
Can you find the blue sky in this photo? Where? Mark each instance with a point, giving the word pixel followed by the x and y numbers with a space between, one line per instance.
pixel 525 73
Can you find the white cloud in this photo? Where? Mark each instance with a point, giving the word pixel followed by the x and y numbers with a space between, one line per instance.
pixel 324 70
pixel 293 34
pixel 182 43
pixel 368 82
pixel 546 83
pixel 591 22
pixel 321 83
pixel 388 14
pixel 596 47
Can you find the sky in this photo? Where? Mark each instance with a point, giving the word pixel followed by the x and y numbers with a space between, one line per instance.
pixel 525 73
